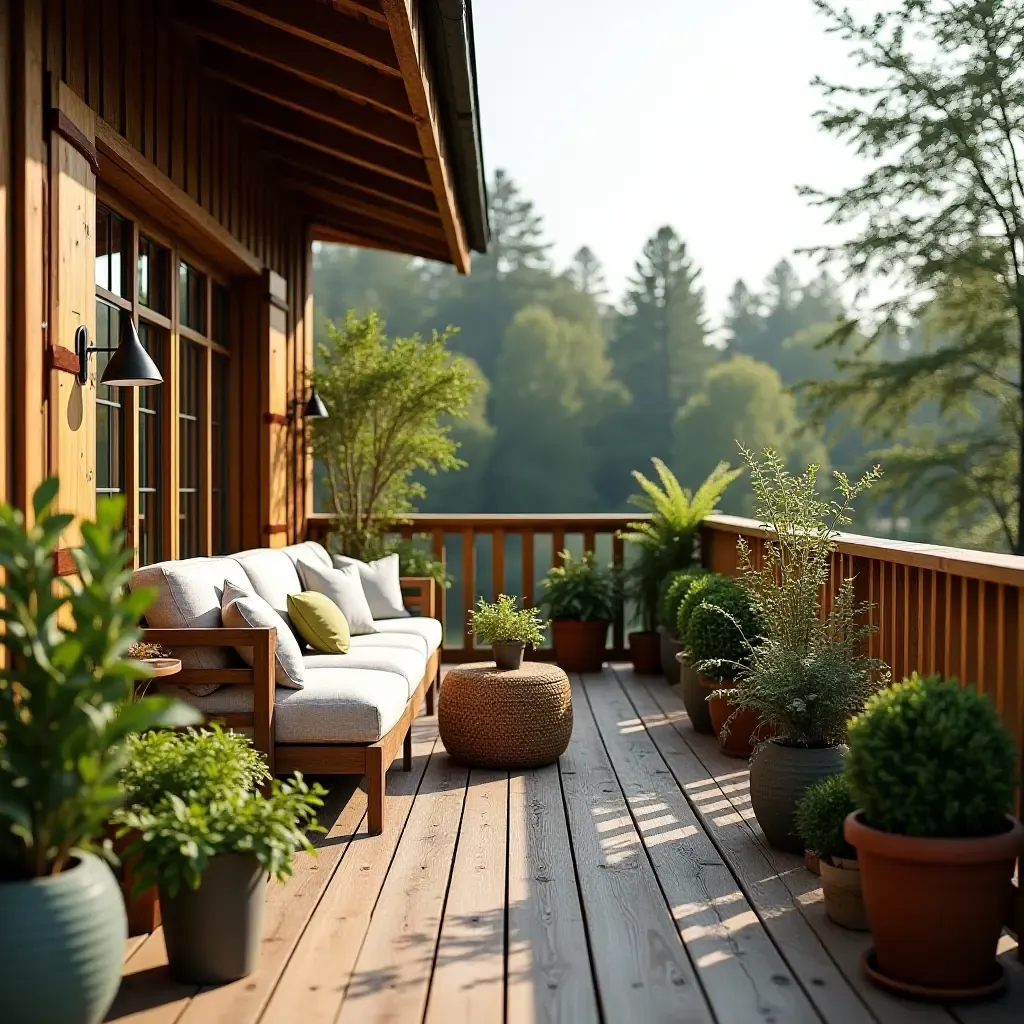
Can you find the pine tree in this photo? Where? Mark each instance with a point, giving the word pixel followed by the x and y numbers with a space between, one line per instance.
pixel 517 231
pixel 587 274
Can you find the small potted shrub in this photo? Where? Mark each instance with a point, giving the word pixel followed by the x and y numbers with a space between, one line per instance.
pixel 664 542
pixel 692 690
pixel 674 587
pixel 808 674
pixel 932 772
pixel 507 630
pixel 820 817
pixel 580 597
pixel 722 630
pixel 66 708
pixel 210 858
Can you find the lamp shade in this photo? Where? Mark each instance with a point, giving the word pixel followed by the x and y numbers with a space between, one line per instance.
pixel 130 366
pixel 315 408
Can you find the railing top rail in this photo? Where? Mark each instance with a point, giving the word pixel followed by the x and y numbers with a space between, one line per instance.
pixel 458 521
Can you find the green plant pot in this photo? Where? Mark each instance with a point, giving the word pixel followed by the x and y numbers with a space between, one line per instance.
pixel 508 657
pixel 61 945
pixel 213 932
pixel 694 695
pixel 779 777
pixel 670 647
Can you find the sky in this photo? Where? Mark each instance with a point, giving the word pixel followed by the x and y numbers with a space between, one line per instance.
pixel 617 117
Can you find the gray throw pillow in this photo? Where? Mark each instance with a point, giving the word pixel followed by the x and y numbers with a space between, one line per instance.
pixel 240 609
pixel 345 589
pixel 381 584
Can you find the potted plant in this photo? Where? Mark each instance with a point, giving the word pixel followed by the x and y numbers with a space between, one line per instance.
pixel 580 597
pixel 722 630
pixel 674 587
pixel 664 541
pixel 693 692
pixel 210 857
pixel 820 817
pixel 65 710
pixel 507 630
pixel 808 674
pixel 932 772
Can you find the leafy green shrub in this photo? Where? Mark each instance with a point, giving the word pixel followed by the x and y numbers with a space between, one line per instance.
pixel 581 589
pixel 692 598
pixel 820 816
pixel 178 837
pixel 195 765
pixel 66 702
pixel 501 622
pixel 722 631
pixel 674 589
pixel 931 758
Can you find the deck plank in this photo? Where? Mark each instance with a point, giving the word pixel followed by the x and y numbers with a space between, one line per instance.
pixel 643 971
pixel 391 978
pixel 313 985
pixel 742 972
pixel 148 994
pixel 549 974
pixel 469 973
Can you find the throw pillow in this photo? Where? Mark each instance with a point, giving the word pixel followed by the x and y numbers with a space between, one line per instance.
pixel 345 589
pixel 240 609
pixel 381 584
pixel 320 622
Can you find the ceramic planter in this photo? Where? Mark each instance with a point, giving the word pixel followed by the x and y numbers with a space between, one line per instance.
pixel 670 647
pixel 579 646
pixel 61 945
pixel 779 777
pixel 741 738
pixel 936 908
pixel 844 901
pixel 694 695
pixel 213 932
pixel 645 650
pixel 508 657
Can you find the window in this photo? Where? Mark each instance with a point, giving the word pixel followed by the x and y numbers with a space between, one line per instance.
pixel 109 408
pixel 153 280
pixel 150 536
pixel 191 298
pixel 190 368
pixel 219 453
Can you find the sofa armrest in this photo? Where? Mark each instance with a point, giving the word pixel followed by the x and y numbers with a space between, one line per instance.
pixel 423 594
pixel 262 641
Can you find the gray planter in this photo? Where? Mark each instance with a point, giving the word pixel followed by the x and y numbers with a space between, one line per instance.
pixel 670 647
pixel 213 932
pixel 779 777
pixel 61 945
pixel 695 696
pixel 508 657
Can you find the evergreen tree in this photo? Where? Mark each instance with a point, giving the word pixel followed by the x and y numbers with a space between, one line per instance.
pixel 517 231
pixel 587 274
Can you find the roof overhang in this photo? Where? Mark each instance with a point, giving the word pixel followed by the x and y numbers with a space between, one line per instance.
pixel 367 109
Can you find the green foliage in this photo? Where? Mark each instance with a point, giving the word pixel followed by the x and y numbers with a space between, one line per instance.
pixel 930 758
pixel 581 589
pixel 390 403
pixel 723 630
pixel 665 539
pixel 691 599
pixel 674 589
pixel 178 836
pixel 66 703
pixel 194 764
pixel 820 815
pixel 807 676
pixel 501 622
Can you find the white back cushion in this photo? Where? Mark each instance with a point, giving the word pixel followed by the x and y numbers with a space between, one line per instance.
pixel 308 551
pixel 381 584
pixel 345 589
pixel 272 576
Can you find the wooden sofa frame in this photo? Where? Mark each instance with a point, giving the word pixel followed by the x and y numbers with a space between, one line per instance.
pixel 372 760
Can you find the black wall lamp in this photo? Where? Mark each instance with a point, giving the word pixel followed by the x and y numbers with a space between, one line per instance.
pixel 129 367
pixel 314 409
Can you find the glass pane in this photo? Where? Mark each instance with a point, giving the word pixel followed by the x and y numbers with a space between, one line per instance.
pixel 109 427
pixel 191 297
pixel 219 454
pixel 102 247
pixel 154 261
pixel 220 326
pixel 150 534
pixel 120 251
pixel 189 432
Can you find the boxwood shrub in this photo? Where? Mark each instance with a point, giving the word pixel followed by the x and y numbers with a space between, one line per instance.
pixel 820 816
pixel 692 598
pixel 674 589
pixel 721 629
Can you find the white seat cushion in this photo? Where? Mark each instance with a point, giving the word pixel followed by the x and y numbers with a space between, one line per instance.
pixel 272 576
pixel 350 706
pixel 409 664
pixel 428 629
pixel 402 641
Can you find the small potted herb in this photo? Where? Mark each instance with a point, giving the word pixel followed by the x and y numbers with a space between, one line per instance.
pixel 932 772
pixel 581 597
pixel 507 629
pixel 820 817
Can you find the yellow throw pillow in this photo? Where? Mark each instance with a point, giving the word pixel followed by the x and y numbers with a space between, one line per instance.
pixel 320 622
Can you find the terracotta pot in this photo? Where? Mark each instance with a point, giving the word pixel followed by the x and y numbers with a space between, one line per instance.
pixel 742 735
pixel 695 696
pixel 936 907
pixel 670 647
pixel 779 777
pixel 143 909
pixel 579 646
pixel 844 901
pixel 645 650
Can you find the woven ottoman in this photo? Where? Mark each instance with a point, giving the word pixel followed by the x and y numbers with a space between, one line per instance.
pixel 489 718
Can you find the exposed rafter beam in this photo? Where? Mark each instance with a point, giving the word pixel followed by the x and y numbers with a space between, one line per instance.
pixel 310 61
pixel 363 10
pixel 284 88
pixel 323 230
pixel 405 39
pixel 317 23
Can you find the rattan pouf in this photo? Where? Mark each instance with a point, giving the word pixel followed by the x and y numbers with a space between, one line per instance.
pixel 494 719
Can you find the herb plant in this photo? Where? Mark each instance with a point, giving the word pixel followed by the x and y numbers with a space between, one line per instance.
pixel 931 758
pixel 501 622
pixel 820 816
pixel 66 703
pixel 580 589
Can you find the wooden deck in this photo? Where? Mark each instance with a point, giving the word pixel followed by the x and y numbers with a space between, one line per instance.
pixel 629 883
